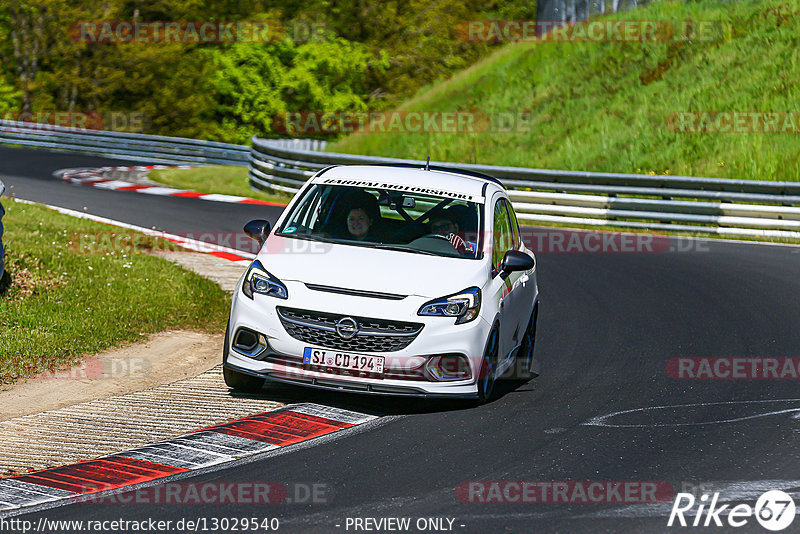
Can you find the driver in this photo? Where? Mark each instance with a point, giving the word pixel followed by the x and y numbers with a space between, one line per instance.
pixel 448 228
pixel 459 224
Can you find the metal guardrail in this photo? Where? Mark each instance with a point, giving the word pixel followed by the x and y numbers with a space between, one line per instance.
pixel 152 148
pixel 681 203
pixel 268 172
pixel 643 201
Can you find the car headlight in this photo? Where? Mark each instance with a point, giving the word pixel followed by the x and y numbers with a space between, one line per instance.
pixel 258 280
pixel 465 305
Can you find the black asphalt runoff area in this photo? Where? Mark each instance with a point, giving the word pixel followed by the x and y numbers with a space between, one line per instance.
pixel 609 325
pixel 28 174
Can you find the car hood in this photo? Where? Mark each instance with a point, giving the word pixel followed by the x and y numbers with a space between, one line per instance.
pixel 369 269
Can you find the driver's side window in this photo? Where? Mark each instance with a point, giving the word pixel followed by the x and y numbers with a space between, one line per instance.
pixel 503 238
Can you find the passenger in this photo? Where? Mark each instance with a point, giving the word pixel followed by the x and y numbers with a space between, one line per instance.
pixel 363 217
pixel 358 223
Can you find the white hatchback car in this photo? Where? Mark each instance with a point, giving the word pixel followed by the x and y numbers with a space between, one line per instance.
pixel 387 280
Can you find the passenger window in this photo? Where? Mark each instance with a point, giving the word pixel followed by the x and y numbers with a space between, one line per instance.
pixel 503 236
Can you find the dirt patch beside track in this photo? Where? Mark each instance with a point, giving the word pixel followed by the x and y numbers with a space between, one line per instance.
pixel 162 359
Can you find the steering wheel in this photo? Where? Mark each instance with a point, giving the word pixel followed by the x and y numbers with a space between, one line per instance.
pixel 459 245
pixel 439 236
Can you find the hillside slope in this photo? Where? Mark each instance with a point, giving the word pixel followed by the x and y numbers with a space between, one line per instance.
pixel 615 105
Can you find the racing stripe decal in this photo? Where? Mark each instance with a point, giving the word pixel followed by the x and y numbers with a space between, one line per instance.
pixel 208 447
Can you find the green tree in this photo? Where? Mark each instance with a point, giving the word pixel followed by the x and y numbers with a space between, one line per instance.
pixel 254 84
pixel 10 98
pixel 369 56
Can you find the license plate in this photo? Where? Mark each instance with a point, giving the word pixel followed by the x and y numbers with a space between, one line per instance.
pixel 343 360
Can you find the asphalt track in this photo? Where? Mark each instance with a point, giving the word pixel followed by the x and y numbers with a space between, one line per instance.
pixel 609 324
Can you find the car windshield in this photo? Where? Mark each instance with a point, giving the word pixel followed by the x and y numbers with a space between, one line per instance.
pixel 383 218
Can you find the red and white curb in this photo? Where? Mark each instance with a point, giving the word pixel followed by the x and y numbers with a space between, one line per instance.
pixel 219 251
pixel 95 177
pixel 212 446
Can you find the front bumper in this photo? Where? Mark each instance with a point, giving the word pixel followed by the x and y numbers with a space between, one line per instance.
pixel 279 361
pixel 347 386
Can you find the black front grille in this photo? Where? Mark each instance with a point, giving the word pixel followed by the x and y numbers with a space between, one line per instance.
pixel 374 335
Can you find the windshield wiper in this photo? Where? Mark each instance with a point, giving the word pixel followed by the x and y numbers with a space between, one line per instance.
pixel 401 248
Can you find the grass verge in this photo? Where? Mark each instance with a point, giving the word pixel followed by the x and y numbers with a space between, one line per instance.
pixel 77 291
pixel 221 179
pixel 611 106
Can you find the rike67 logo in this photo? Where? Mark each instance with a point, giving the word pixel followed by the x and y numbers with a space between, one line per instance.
pixel 774 510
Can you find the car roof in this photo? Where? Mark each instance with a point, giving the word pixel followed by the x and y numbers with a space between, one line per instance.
pixel 452 181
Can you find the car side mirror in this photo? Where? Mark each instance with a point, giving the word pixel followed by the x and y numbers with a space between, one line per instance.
pixel 257 229
pixel 515 260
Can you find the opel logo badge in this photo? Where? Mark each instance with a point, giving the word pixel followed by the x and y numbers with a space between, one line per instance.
pixel 347 328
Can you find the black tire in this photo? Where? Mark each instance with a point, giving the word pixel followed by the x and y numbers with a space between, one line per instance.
pixel 486 378
pixel 242 382
pixel 226 345
pixel 525 353
pixel 236 380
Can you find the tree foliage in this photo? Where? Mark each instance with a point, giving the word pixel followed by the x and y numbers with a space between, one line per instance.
pixel 337 55
pixel 254 85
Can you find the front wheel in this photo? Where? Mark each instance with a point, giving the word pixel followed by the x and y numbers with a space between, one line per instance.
pixel 486 378
pixel 525 359
pixel 242 382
